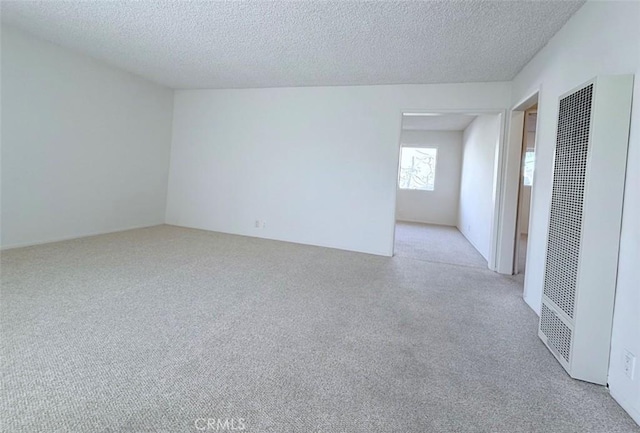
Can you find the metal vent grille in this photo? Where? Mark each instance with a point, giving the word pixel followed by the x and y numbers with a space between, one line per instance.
pixel 565 225
pixel 558 334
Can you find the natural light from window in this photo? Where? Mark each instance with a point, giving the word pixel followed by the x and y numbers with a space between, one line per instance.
pixel 417 168
pixel 529 166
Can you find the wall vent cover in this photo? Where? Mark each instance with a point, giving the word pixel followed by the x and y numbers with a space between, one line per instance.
pixel 565 224
pixel 558 334
pixel 585 215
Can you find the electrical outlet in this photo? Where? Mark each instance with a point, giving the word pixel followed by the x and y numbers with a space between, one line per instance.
pixel 258 224
pixel 629 364
pixel 264 224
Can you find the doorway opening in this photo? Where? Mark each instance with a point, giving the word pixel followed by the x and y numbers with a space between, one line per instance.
pixel 444 193
pixel 527 170
pixel 517 191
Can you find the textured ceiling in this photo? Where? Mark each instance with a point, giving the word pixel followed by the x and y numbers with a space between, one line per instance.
pixel 270 44
pixel 441 122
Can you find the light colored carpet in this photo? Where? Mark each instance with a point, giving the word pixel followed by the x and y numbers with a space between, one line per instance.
pixel 151 329
pixel 435 243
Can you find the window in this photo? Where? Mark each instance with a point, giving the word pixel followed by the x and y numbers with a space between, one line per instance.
pixel 417 168
pixel 529 166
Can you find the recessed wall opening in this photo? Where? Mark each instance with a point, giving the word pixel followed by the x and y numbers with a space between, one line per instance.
pixel 445 187
pixel 527 171
pixel 522 139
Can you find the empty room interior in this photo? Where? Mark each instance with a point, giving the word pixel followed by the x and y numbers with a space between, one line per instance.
pixel 320 216
pixel 444 201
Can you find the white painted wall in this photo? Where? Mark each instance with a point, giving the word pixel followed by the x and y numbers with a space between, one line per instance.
pixel 318 164
pixel 85 147
pixel 601 38
pixel 439 206
pixel 475 214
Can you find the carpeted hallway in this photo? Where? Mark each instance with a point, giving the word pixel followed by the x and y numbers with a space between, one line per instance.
pixel 150 330
pixel 435 243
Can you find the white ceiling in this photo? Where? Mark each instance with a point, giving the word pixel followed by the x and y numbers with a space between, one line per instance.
pixel 205 44
pixel 440 122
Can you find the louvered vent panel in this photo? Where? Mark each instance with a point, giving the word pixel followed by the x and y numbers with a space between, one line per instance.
pixel 584 225
pixel 557 333
pixel 563 247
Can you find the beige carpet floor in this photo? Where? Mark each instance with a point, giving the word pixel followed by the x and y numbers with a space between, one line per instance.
pixel 435 243
pixel 158 329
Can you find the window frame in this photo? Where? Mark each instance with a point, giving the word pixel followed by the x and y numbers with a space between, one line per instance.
pixel 436 150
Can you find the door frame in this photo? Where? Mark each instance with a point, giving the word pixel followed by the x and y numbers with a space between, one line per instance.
pixel 516 249
pixel 498 175
pixel 508 190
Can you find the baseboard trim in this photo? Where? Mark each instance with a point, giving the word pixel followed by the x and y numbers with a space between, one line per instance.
pixel 70 238
pixel 633 413
pixel 278 239
pixel 424 222
pixel 472 243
